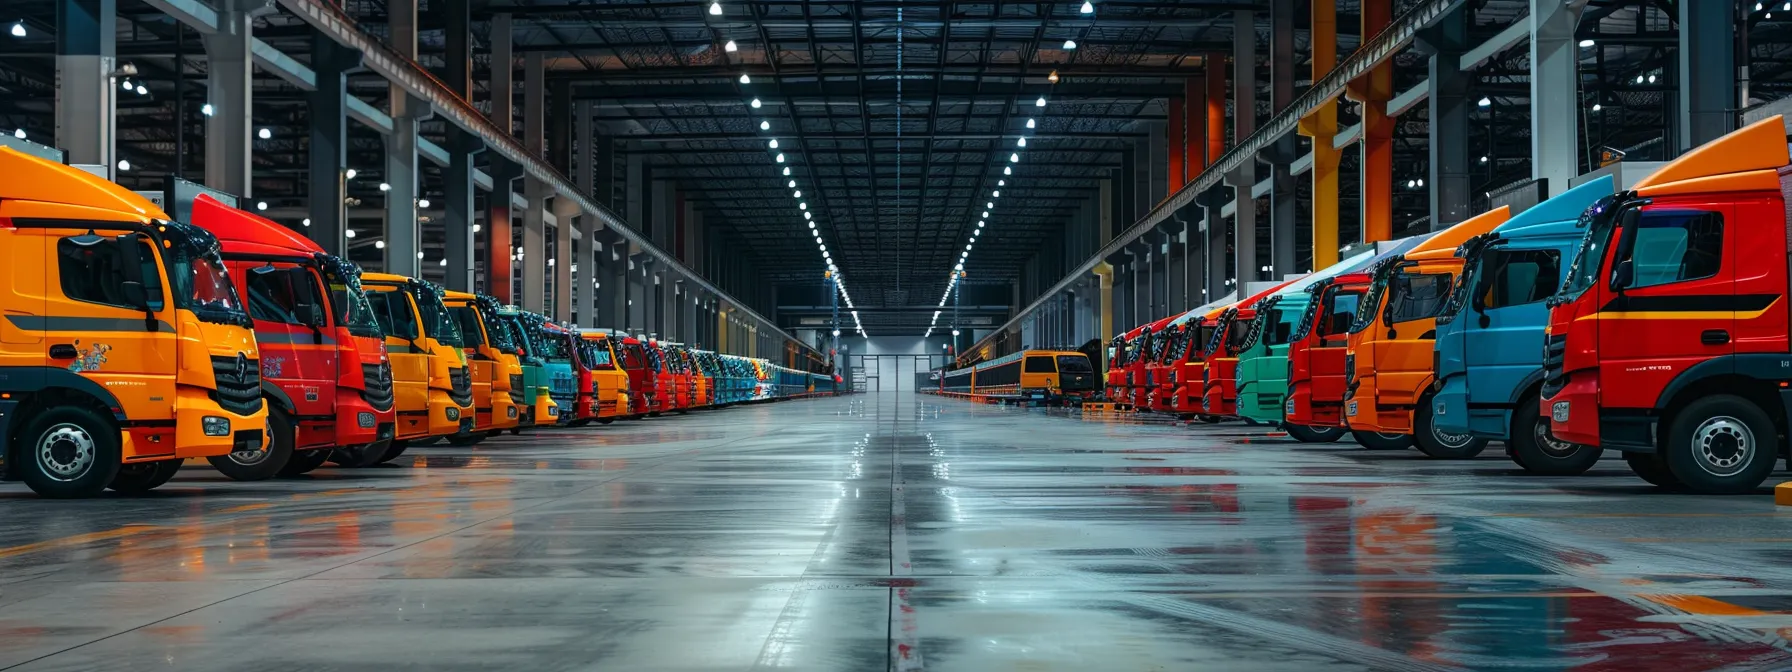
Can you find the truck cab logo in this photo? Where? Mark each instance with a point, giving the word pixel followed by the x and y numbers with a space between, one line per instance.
pixel 89 358
pixel 242 366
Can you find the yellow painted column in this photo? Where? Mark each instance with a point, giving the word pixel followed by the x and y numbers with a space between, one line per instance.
pixel 1322 125
pixel 722 329
pixel 1106 273
pixel 1374 90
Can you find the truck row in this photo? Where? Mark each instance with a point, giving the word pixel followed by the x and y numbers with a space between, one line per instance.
pixel 133 340
pixel 1649 319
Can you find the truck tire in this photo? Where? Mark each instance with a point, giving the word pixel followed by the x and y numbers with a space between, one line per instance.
pixel 306 461
pixel 136 479
pixel 1652 468
pixel 69 452
pixel 1315 434
pixel 393 450
pixel 1380 441
pixel 1438 444
pixel 1539 453
pixel 1721 444
pixel 260 465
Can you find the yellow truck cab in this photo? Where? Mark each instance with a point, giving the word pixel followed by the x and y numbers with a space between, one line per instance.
pixel 124 348
pixel 494 368
pixel 607 372
pixel 431 381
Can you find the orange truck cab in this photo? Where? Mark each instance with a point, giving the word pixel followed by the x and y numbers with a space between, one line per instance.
pixel 431 381
pixel 1219 377
pixel 1669 340
pixel 1391 361
pixel 323 357
pixel 124 346
pixel 606 370
pixel 495 370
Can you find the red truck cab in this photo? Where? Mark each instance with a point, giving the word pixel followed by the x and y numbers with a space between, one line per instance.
pixel 1121 351
pixel 1668 340
pixel 632 355
pixel 324 366
pixel 1316 349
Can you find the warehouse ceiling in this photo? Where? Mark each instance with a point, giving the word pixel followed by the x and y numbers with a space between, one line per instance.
pixel 897 119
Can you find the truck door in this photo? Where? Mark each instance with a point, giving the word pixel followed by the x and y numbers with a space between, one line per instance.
pixel 1507 315
pixel 296 354
pixel 23 354
pixel 1668 301
pixel 108 318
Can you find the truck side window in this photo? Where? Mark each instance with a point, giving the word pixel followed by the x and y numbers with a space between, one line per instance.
pixel 91 268
pixel 393 314
pixel 1341 310
pixel 1676 246
pixel 272 297
pixel 1519 277
pixel 1423 297
pixel 1041 365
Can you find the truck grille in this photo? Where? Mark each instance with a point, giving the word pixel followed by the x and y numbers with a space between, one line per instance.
pixel 1555 350
pixel 239 384
pixel 516 383
pixel 378 392
pixel 1349 375
pixel 561 388
pixel 460 386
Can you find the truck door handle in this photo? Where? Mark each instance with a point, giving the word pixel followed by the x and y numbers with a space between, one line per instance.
pixel 1714 337
pixel 63 351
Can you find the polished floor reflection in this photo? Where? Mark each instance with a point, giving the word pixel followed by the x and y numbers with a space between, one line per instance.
pixel 899 532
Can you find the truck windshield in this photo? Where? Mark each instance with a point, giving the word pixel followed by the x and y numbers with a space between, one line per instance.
pixel 1599 220
pixel 347 298
pixel 497 329
pixel 587 354
pixel 1472 254
pixel 1266 316
pixel 1378 287
pixel 601 359
pixel 466 318
pixel 197 275
pixel 518 334
pixel 1074 364
pixel 1210 337
pixel 654 362
pixel 551 344
pixel 632 357
pixel 437 323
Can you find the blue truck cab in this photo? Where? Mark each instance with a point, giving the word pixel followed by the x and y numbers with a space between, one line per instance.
pixel 1488 361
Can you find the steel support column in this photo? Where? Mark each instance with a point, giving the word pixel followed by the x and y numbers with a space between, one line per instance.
pixel 1555 92
pixel 585 150
pixel 1322 126
pixel 1176 146
pixel 1244 123
pixel 328 158
pixel 1708 73
pixel 86 107
pixel 229 91
pixel 1449 99
pixel 1214 70
pixel 1194 118
pixel 1284 207
pixel 1214 256
pixel 402 238
pixel 535 252
pixel 499 232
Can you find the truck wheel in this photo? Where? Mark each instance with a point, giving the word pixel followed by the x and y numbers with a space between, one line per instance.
pixel 136 479
pixel 393 450
pixel 1381 441
pixel 260 465
pixel 1315 434
pixel 1652 468
pixel 1539 453
pixel 1721 444
pixel 69 452
pixel 304 462
pixel 1438 444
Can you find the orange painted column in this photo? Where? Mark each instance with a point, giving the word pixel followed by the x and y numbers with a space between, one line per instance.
pixel 1216 106
pixel 1195 111
pixel 1174 131
pixel 1322 125
pixel 1374 90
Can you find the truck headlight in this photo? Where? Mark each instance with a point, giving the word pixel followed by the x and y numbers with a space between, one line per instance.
pixel 510 411
pixel 453 413
pixel 365 420
pixel 1559 411
pixel 554 411
pixel 214 425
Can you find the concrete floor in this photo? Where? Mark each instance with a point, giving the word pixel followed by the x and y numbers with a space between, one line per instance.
pixel 906 533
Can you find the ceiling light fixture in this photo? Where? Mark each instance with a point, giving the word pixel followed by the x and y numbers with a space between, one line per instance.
pixel 261 205
pixel 1040 102
pixel 1030 123
pixel 1069 45
pixel 18 29
pixel 424 203
pixel 755 103
pixel 765 125
pixel 124 165
pixel 715 9
pixel 731 46
pixel 206 109
pixel 264 134
pixel 745 78
pixel 1088 7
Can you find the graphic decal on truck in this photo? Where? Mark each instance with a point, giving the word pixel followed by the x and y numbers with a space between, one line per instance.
pixel 90 359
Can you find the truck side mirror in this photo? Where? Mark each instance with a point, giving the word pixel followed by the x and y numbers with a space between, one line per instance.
pixel 135 295
pixel 1623 275
pixel 308 314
